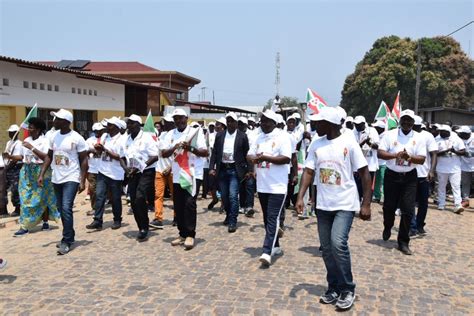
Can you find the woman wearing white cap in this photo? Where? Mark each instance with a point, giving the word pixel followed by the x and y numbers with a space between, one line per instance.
pixel 13 167
pixel 448 167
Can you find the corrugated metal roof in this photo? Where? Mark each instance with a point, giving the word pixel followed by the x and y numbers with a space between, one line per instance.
pixel 105 66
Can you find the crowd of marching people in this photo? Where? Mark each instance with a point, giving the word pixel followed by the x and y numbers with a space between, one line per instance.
pixel 327 165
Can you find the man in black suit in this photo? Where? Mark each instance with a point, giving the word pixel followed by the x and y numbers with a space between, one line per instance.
pixel 228 162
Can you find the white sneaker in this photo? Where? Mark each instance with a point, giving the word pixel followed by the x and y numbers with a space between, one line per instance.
pixel 241 210
pixel 265 259
pixel 277 251
pixel 398 212
pixel 458 209
pixel 441 208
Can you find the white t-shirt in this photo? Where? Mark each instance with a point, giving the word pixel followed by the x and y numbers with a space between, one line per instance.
pixel 395 141
pixel 173 137
pixel 272 178
pixel 212 138
pixel 369 153
pixel 41 144
pixel 450 163
pixel 382 162
pixel 139 150
pixel 334 162
pixel 65 163
pixel 431 145
pixel 163 163
pixel 111 167
pixel 13 148
pixel 94 159
pixel 294 143
pixel 467 162
pixel 228 150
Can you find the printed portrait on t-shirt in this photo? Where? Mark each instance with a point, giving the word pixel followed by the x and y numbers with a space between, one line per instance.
pixel 329 176
pixel 61 160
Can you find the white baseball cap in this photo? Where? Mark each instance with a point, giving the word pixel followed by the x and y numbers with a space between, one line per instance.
pixel 408 113
pixel 296 115
pixel 251 119
pixel 179 112
pixel 168 118
pixel 280 119
pixel 231 115
pixel 243 120
pixel 212 123
pixel 329 114
pixel 418 120
pixel 223 121
pixel 379 123
pixel 134 118
pixel 444 127
pixel 359 119
pixel 349 119
pixel 115 121
pixel 464 129
pixel 62 114
pixel 194 124
pixel 97 127
pixel 342 112
pixel 271 115
pixel 13 128
pixel 313 117
pixel 291 117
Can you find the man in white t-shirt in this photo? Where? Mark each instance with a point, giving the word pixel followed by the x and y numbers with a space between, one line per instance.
pixel 185 145
pixel 271 154
pixel 425 173
pixel 403 149
pixel 332 158
pixel 368 139
pixel 380 127
pixel 12 168
pixel 448 167
pixel 93 162
pixel 163 176
pixel 467 163
pixel 67 157
pixel 110 174
pixel 139 163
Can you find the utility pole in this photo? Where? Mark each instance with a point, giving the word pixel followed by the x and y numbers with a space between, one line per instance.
pixel 213 98
pixel 277 73
pixel 418 73
pixel 204 93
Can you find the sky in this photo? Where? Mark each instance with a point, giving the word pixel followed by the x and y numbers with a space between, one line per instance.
pixel 229 45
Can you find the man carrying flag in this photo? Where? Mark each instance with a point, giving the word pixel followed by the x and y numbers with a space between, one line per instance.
pixel 186 145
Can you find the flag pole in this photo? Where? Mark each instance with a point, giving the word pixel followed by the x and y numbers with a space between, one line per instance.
pixel 24 121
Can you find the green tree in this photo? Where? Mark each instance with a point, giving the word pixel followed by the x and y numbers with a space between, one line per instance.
pixel 390 66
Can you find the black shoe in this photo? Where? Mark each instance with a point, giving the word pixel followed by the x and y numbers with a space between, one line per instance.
pixel 422 232
pixel 413 233
pixel 116 225
pixel 156 224
pixel 94 225
pixel 175 223
pixel 226 222
pixel 232 228
pixel 142 235
pixel 405 250
pixel 212 204
pixel 221 210
pixel 386 234
pixel 329 297
pixel 250 212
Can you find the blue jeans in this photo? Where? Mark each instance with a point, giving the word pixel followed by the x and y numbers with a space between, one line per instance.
pixel 65 195
pixel 247 193
pixel 272 206
pixel 422 194
pixel 229 186
pixel 104 184
pixel 333 228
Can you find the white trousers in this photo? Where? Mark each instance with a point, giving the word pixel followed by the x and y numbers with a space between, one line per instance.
pixel 455 181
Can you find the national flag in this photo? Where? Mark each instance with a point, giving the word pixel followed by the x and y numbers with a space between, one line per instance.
pixel 187 180
pixel 391 123
pixel 24 126
pixel 149 126
pixel 397 108
pixel 314 102
pixel 382 113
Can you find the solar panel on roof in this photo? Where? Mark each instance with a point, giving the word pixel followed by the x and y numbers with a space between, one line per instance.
pixel 79 64
pixel 64 63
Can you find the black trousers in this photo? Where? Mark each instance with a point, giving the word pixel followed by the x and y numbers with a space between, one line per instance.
pixel 138 186
pixel 186 210
pixel 399 191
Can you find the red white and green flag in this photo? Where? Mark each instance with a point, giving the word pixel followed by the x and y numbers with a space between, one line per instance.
pixel 149 126
pixel 314 102
pixel 382 113
pixel 24 126
pixel 397 107
pixel 187 180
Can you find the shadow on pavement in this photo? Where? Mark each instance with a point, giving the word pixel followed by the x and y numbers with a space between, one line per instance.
pixel 254 227
pixel 217 224
pixel 254 252
pixel 384 244
pixel 7 279
pixel 133 234
pixel 312 250
pixel 312 289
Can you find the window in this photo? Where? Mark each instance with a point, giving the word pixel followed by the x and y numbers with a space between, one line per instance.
pixel 26 84
pixel 50 87
pixel 34 85
pixel 56 88
pixel 95 92
pixel 73 90
pixel 6 82
pixel 41 86
pixel 79 91
pixel 90 92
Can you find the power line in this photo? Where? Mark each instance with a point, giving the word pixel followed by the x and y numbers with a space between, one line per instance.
pixel 460 28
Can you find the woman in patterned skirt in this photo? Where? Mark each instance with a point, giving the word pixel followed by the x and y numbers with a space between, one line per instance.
pixel 36 202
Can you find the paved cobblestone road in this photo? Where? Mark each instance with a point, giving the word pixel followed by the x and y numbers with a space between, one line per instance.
pixel 110 272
